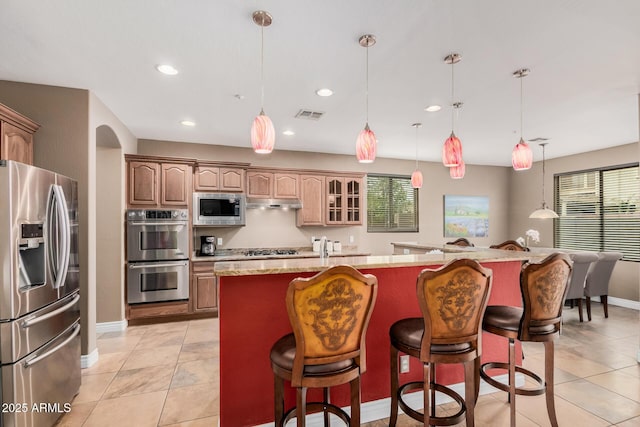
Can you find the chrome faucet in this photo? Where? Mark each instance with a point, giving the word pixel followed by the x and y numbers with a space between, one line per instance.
pixel 324 251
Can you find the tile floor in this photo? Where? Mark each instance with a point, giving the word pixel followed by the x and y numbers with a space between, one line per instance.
pixel 168 375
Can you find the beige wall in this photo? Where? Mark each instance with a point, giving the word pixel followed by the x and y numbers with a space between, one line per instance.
pixel 110 139
pixel 274 228
pixel 526 196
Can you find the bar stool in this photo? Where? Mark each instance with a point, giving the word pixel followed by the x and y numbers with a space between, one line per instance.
pixel 510 245
pixel 329 314
pixel 544 287
pixel 461 242
pixel 452 299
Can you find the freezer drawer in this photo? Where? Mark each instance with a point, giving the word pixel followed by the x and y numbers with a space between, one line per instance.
pixel 24 335
pixel 38 389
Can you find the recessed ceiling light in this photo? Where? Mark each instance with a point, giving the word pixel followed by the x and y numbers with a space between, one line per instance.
pixel 433 108
pixel 288 132
pixel 188 123
pixel 324 92
pixel 167 69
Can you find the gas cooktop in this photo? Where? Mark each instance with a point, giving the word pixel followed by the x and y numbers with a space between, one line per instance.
pixel 263 252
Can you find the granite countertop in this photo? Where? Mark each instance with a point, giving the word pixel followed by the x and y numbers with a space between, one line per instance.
pixel 248 267
pixel 238 255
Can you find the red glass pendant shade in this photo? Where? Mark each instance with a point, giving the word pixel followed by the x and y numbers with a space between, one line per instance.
pixel 263 135
pixel 521 156
pixel 452 151
pixel 366 145
pixel 457 172
pixel 416 179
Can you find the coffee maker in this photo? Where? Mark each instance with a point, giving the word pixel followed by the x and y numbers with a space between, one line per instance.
pixel 207 245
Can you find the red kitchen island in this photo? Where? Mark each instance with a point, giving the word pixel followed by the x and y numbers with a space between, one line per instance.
pixel 253 316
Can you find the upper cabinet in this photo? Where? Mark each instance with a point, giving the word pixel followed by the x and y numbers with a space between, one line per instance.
pixel 330 200
pixel 215 178
pixel 343 201
pixel 16 133
pixel 158 183
pixel 272 185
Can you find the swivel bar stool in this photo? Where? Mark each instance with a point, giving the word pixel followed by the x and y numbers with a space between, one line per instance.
pixel 452 299
pixel 544 287
pixel 329 313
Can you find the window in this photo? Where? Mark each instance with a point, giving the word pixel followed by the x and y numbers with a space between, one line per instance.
pixel 599 210
pixel 392 204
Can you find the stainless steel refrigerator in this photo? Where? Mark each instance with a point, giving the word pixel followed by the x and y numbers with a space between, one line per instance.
pixel 39 295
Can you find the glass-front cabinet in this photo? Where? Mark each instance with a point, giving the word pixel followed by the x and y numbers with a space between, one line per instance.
pixel 343 201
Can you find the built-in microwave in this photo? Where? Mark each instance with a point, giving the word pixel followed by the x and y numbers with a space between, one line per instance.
pixel 219 209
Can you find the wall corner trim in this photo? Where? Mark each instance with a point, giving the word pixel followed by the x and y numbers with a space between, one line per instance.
pixel 118 326
pixel 88 360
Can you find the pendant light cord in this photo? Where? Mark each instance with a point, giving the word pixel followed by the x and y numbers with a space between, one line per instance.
pixel 367 87
pixel 417 126
pixel 522 107
pixel 544 204
pixel 452 96
pixel 262 66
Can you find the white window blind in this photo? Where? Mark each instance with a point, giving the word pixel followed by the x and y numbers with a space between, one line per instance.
pixel 599 210
pixel 392 204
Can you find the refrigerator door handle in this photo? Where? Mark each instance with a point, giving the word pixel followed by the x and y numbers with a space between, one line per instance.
pixel 32 361
pixel 35 320
pixel 60 248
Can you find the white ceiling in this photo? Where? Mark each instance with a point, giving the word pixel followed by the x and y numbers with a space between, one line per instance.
pixel 582 92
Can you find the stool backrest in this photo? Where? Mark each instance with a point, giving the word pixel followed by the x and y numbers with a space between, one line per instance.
pixel 460 242
pixel 329 313
pixel 510 245
pixel 544 287
pixel 453 300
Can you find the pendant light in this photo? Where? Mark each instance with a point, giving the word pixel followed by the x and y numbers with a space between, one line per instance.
pixel 366 142
pixel 452 148
pixel 521 156
pixel 263 134
pixel 457 172
pixel 544 212
pixel 416 176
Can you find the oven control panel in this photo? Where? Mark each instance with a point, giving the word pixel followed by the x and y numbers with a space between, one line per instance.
pixel 166 214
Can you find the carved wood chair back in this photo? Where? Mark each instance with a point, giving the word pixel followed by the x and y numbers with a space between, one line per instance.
pixel 510 245
pixel 461 242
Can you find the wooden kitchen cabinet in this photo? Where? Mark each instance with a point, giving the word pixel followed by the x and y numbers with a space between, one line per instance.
pixel 285 185
pixel 344 198
pixel 156 184
pixel 260 184
pixel 211 178
pixel 330 200
pixel 272 185
pixel 175 184
pixel 16 131
pixel 204 288
pixel 312 196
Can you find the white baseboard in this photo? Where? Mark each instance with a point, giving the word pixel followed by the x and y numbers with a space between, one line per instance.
pixel 117 326
pixel 379 409
pixel 620 302
pixel 87 360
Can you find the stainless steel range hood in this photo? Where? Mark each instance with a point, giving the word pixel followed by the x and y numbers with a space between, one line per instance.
pixel 256 203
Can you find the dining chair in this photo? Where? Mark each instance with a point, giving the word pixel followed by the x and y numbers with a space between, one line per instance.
pixel 598 278
pixel 581 262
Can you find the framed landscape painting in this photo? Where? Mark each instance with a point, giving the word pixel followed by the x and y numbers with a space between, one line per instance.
pixel 466 216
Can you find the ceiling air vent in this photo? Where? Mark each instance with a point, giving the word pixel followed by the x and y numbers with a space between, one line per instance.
pixel 309 115
pixel 539 139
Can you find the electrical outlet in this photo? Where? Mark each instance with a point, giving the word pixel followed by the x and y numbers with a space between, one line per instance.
pixel 404 364
pixel 406 251
pixel 352 238
pixel 219 241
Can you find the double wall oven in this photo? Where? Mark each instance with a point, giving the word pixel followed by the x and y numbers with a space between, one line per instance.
pixel 157 255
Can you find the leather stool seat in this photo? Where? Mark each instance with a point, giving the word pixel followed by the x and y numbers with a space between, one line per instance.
pixel 408 334
pixel 283 353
